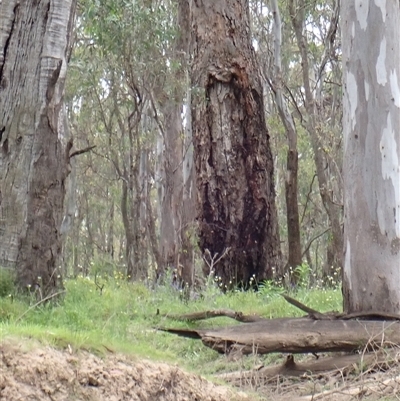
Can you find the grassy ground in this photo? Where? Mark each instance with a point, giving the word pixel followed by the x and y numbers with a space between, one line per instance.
pixel 123 317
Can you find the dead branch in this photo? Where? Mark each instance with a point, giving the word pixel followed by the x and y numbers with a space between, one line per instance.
pixel 238 316
pixel 305 206
pixel 307 247
pixel 40 302
pixel 357 391
pixel 81 151
pixel 312 313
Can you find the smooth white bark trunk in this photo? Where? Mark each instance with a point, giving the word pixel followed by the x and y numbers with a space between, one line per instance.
pixel 371 125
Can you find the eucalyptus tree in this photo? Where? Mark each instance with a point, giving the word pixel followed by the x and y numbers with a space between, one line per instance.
pixel 287 116
pixel 292 167
pixel 130 82
pixel 34 155
pixel 371 125
pixel 234 166
pixel 177 200
pixel 120 61
pixel 316 85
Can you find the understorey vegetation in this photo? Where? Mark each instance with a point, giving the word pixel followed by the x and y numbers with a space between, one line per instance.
pixel 108 313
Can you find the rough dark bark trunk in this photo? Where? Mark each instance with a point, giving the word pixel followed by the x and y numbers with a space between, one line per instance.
pixel 233 160
pixel 292 208
pixel 110 237
pixel 130 267
pixel 34 46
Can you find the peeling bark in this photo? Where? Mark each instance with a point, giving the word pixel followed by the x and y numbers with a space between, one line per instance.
pixel 233 160
pixel 371 125
pixel 34 42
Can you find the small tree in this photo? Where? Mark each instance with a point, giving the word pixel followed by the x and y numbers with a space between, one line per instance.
pixel 371 125
pixel 34 155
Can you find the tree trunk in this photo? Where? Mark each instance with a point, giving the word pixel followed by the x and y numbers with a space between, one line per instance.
pixel 292 208
pixel 34 42
pixel 187 232
pixel 173 242
pixel 371 125
pixel 313 125
pixel 233 160
pixel 172 194
pixel 110 236
pixel 129 234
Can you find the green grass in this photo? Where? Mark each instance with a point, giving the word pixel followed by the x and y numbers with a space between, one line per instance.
pixel 123 318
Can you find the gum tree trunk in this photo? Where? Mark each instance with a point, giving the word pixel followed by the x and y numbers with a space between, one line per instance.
pixel 313 124
pixel 292 158
pixel 176 215
pixel 34 159
pixel 233 161
pixel 371 125
pixel 188 214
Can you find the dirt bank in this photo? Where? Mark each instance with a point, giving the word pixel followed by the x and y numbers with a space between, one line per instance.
pixel 44 373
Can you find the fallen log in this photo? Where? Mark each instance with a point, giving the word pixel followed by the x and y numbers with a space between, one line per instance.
pixel 343 364
pixel 297 335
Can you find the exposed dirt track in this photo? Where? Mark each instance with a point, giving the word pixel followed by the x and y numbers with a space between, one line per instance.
pixel 47 374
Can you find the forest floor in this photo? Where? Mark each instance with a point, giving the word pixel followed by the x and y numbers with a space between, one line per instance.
pixel 37 373
pixel 100 342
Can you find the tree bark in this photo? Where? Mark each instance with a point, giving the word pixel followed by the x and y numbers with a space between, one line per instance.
pixel 313 124
pixel 34 47
pixel 292 208
pixel 175 247
pixel 371 125
pixel 297 336
pixel 187 232
pixel 172 193
pixel 233 160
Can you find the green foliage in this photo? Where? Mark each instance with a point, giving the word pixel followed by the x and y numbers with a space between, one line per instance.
pixel 268 288
pixel 121 70
pixel 303 273
pixel 122 317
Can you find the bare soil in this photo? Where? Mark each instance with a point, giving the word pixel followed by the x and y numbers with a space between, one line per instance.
pixel 30 371
pixel 33 372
